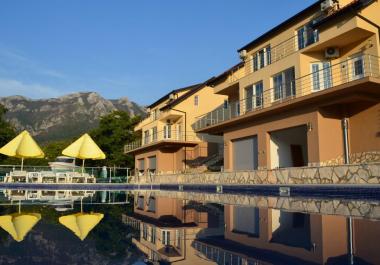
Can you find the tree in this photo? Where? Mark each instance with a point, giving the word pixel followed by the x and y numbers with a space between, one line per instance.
pixel 7 131
pixel 54 149
pixel 114 131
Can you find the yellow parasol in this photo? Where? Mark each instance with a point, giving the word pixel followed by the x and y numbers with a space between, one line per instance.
pixel 22 146
pixel 81 223
pixel 84 148
pixel 19 224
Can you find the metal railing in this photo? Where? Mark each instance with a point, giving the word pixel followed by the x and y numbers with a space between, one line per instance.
pixel 269 56
pixel 346 71
pixel 166 135
pixel 102 174
pixel 151 117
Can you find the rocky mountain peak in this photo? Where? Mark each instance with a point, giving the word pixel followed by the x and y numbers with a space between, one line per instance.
pixel 63 117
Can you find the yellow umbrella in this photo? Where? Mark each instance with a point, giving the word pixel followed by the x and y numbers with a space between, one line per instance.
pixel 84 148
pixel 81 223
pixel 22 146
pixel 19 224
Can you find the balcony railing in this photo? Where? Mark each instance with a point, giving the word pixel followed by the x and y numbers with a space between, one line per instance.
pixel 326 77
pixel 166 135
pixel 273 54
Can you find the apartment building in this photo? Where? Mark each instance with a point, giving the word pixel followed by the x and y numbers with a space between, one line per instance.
pixel 272 236
pixel 306 93
pixel 168 142
pixel 168 227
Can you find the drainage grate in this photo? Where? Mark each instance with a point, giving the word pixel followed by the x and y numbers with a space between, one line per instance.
pixel 284 191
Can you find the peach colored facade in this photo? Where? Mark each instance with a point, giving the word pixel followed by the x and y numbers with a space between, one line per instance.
pixel 168 230
pixel 268 236
pixel 168 140
pixel 295 87
pixel 327 236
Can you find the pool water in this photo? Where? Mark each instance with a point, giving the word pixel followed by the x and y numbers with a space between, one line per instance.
pixel 153 227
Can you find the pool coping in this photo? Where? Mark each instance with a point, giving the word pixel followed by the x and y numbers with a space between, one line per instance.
pixel 349 191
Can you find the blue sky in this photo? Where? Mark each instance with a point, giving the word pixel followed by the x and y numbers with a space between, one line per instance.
pixel 139 49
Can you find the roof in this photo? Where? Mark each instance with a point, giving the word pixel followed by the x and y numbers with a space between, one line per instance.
pixel 194 90
pixel 225 73
pixel 165 97
pixel 354 5
pixel 279 27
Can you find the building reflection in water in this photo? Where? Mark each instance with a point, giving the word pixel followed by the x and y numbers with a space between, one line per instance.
pixel 188 232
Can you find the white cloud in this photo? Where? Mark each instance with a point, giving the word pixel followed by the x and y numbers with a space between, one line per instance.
pixel 11 87
pixel 17 61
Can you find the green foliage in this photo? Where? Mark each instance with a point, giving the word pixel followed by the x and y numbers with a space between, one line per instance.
pixel 54 149
pixel 114 131
pixel 7 132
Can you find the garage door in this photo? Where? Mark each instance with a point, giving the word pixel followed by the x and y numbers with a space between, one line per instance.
pixel 245 153
pixel 152 163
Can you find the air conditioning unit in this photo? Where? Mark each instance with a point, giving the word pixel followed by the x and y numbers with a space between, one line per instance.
pixel 327 5
pixel 243 54
pixel 332 52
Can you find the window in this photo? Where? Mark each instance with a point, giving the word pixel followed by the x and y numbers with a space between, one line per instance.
pixel 284 84
pixel 145 231
pixel 306 36
pixel 258 91
pixel 225 104
pixel 321 75
pixel 178 239
pixel 154 114
pixel 249 98
pixel 153 235
pixel 152 204
pixel 196 100
pixel 140 203
pixel 165 237
pixel 357 67
pixel 179 131
pixel 146 137
pixel 168 131
pixel 269 55
pixel 261 58
pixel 254 96
pixel 154 134
pixel 237 109
pixel 141 165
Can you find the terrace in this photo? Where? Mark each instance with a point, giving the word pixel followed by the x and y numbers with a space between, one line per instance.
pixel 170 136
pixel 349 73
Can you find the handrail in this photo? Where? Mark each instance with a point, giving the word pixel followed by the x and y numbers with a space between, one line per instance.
pixel 277 52
pixel 168 135
pixel 346 71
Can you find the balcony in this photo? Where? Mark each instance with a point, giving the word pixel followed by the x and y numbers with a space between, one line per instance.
pixel 149 119
pixel 320 82
pixel 166 137
pixel 273 54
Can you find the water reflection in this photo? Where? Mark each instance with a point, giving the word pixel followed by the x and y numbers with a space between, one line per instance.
pixel 189 232
pixel 88 227
pixel 90 231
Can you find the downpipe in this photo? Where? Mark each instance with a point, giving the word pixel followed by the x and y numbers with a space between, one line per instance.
pixel 350 229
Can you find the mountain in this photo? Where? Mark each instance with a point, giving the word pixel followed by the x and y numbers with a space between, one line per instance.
pixel 64 117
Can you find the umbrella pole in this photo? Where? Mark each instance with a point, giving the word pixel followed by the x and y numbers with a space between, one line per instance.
pixel 22 163
pixel 81 204
pixel 19 206
pixel 83 166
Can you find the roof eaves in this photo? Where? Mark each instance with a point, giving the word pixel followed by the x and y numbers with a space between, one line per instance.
pixel 277 28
